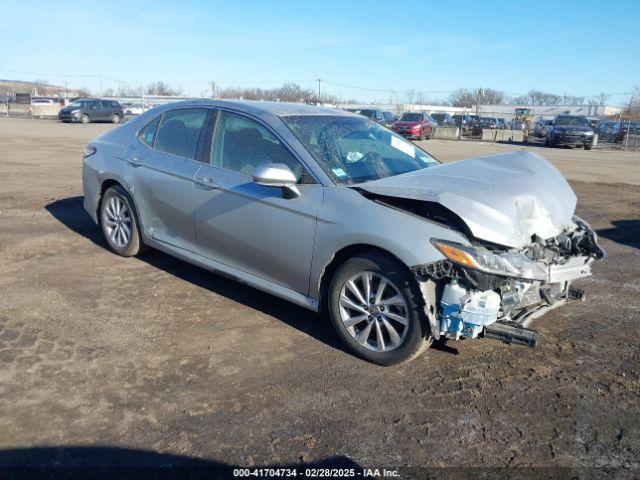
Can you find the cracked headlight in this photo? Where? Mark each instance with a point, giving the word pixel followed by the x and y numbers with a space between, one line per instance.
pixel 505 264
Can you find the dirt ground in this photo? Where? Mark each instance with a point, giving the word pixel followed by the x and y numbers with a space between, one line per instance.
pixel 151 361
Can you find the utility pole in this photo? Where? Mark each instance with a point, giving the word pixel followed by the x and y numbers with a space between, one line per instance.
pixel 100 80
pixel 319 81
pixel 213 89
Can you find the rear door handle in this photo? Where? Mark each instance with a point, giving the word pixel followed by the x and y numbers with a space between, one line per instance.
pixel 206 182
pixel 134 161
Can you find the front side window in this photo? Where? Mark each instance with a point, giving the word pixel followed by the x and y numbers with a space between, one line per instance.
pixel 148 134
pixel 179 131
pixel 355 149
pixel 241 144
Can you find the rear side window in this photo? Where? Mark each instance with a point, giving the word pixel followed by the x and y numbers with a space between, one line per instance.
pixel 148 134
pixel 179 131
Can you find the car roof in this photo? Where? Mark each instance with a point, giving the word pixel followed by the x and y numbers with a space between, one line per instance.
pixel 260 108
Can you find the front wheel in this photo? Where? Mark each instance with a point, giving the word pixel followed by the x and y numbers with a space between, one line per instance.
pixel 119 222
pixel 377 310
pixel 85 118
pixel 588 146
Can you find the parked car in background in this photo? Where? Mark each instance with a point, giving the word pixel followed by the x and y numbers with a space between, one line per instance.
pixel 484 122
pixel 374 114
pixel 135 109
pixel 443 119
pixel 540 128
pixel 417 125
pixel 43 101
pixel 608 130
pixel 571 130
pixel 335 213
pixel 92 110
pixel 465 122
pixel 502 124
pixel 389 118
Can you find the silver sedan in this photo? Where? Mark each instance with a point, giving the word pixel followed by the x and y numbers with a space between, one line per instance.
pixel 336 213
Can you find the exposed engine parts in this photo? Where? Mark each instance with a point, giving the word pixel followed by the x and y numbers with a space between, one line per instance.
pixel 581 241
pixel 474 303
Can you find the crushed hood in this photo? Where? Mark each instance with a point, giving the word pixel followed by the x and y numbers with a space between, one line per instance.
pixel 503 199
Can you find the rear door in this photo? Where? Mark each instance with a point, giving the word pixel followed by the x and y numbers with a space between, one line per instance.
pixel 165 167
pixel 94 110
pixel 248 226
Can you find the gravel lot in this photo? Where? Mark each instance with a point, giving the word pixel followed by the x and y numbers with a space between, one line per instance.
pixel 99 353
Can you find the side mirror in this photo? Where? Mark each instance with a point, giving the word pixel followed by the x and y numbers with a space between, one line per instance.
pixel 277 175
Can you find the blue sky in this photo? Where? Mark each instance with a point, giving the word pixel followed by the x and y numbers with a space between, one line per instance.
pixel 576 47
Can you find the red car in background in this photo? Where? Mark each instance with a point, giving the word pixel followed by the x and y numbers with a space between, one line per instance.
pixel 414 125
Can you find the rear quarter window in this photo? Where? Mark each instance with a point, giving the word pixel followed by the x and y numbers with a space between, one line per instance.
pixel 148 134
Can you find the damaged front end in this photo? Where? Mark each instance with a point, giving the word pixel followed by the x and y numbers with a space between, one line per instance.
pixel 486 290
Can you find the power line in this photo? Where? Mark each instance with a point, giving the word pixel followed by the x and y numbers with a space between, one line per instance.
pixel 390 91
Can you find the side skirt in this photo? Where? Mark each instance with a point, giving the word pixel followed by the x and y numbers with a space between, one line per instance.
pixel 235 274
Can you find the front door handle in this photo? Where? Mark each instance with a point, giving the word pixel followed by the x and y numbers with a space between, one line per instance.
pixel 206 182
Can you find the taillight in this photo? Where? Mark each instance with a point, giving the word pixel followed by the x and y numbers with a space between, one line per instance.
pixel 89 150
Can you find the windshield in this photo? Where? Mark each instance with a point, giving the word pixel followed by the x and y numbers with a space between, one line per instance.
pixel 78 103
pixel 571 120
pixel 354 149
pixel 411 117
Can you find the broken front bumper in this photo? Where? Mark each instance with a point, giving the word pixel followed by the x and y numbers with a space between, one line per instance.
pixel 521 301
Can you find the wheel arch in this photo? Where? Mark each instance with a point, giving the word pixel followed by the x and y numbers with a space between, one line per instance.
pixel 338 258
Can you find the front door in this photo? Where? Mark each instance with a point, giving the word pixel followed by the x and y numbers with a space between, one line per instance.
pixel 248 226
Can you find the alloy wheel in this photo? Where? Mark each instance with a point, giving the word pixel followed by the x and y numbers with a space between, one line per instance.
pixel 374 312
pixel 117 222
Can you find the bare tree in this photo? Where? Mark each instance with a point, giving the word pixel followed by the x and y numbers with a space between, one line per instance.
pixel 289 92
pixel 163 89
pixel 462 98
pixel 483 96
pixel 633 108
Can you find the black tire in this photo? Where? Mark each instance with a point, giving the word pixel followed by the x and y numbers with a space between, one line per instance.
pixel 85 118
pixel 588 146
pixel 115 118
pixel 422 136
pixel 417 337
pixel 134 246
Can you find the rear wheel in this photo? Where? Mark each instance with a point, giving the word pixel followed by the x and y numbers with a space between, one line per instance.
pixel 120 223
pixel 377 310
